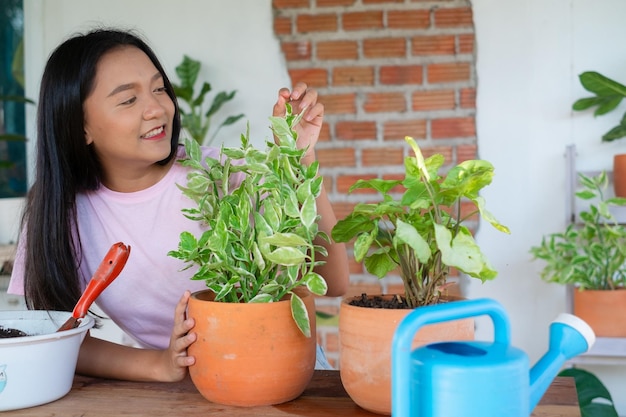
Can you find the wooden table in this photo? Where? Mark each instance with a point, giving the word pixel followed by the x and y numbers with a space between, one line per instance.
pixel 325 396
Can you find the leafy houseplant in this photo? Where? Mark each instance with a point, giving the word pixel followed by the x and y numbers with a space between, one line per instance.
pixel 423 231
pixel 608 95
pixel 195 118
pixel 259 242
pixel 590 255
pixel 593 396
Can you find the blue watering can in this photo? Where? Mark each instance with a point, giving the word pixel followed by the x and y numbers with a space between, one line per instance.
pixel 476 379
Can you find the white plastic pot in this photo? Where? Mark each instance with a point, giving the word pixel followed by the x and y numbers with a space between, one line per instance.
pixel 38 368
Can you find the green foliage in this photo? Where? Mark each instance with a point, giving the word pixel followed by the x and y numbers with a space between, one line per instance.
pixel 421 232
pixel 608 95
pixel 590 255
pixel 594 398
pixel 196 120
pixel 259 243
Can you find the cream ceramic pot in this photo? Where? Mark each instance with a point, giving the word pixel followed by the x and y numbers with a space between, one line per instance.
pixel 38 368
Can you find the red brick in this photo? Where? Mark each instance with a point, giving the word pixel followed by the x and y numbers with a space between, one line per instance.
pixel 446 73
pixel 330 3
pixel 433 45
pixel 468 98
pixel 282 25
pixel 402 74
pixel 454 17
pixel 457 127
pixel 352 130
pixel 287 4
pixel 384 47
pixel 465 153
pixel 355 267
pixel 445 151
pixel 381 1
pixel 336 157
pixel 295 51
pixel 344 182
pixel 382 157
pixel 324 133
pixel 384 102
pixel 398 129
pixel 466 43
pixel 353 76
pixel 314 77
pixel 408 19
pixel 337 50
pixel 339 103
pixel 342 210
pixel 362 20
pixel 433 100
pixel 316 23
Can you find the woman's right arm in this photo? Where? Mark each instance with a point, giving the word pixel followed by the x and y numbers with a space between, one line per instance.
pixel 105 359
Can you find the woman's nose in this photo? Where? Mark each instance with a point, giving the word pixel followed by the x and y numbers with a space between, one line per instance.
pixel 154 108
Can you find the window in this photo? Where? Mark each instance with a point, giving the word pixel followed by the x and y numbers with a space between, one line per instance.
pixel 12 109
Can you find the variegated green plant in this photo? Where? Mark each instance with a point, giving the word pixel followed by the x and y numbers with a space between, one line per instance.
pixel 259 242
pixel 422 231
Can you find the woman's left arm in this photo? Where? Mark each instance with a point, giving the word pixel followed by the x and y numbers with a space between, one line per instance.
pixel 335 271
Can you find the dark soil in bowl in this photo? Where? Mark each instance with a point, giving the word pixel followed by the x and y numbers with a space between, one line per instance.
pixel 8 332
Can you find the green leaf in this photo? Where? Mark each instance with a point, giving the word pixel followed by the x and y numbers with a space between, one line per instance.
pixel 285 256
pixel 188 71
pixel 220 99
pixel 300 315
pixel 345 229
pixel 406 233
pixel 463 253
pixel 315 283
pixel 380 263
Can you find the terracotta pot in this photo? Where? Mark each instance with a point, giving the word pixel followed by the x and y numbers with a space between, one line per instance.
pixel 603 310
pixel 619 175
pixel 250 354
pixel 365 336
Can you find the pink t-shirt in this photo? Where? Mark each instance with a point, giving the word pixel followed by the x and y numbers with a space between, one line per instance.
pixel 143 297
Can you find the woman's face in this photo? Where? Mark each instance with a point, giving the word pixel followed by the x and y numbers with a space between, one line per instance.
pixel 128 116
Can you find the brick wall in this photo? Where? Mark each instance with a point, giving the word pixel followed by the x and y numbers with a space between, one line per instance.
pixel 384 69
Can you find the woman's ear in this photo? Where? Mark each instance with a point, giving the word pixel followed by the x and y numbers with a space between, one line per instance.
pixel 88 138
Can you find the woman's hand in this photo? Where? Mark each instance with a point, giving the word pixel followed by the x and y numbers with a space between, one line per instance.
pixel 176 359
pixel 310 125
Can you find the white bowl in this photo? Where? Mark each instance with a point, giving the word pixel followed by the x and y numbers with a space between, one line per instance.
pixel 38 368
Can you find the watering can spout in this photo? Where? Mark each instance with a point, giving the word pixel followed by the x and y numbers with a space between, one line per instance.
pixel 570 336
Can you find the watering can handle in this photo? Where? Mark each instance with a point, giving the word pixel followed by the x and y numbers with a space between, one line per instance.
pixel 421 316
pixel 437 313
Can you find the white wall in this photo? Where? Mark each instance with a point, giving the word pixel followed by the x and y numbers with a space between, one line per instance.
pixel 529 55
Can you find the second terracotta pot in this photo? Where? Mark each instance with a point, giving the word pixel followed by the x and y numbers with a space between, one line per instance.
pixel 619 175
pixel 250 354
pixel 604 311
pixel 365 336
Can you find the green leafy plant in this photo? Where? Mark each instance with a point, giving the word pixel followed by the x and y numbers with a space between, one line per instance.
pixel 196 119
pixel 12 137
pixel 592 254
pixel 594 398
pixel 422 232
pixel 608 95
pixel 259 242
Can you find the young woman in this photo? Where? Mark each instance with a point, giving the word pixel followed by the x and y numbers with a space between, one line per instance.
pixel 106 171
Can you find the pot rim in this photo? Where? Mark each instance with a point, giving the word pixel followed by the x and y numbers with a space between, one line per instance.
pixel 86 323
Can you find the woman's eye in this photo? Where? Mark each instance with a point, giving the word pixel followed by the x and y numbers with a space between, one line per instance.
pixel 161 90
pixel 129 101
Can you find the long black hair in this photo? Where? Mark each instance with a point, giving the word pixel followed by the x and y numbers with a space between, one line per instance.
pixel 66 165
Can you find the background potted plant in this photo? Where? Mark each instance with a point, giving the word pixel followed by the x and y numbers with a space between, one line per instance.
pixel 590 255
pixel 195 117
pixel 608 96
pixel 256 321
pixel 423 234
